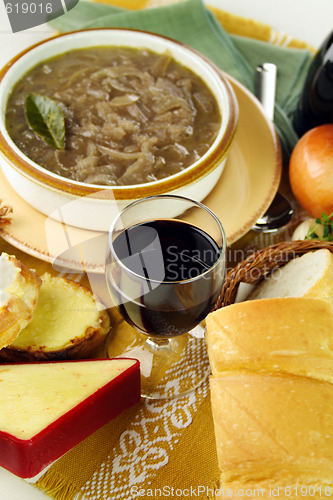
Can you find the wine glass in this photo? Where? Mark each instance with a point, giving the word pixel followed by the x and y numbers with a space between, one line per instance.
pixel 164 270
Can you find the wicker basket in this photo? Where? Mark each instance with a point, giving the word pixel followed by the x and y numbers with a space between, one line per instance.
pixel 262 263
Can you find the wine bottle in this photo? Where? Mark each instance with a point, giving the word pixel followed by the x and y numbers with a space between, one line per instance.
pixel 316 102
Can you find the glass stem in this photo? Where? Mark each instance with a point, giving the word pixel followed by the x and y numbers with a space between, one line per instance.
pixel 156 343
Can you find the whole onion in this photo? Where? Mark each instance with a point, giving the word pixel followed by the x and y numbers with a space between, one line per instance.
pixel 311 170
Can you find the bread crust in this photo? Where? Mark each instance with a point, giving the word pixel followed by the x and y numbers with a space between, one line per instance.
pixel 273 427
pixel 282 489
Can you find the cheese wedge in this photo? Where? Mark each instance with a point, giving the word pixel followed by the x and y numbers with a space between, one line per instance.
pixel 47 408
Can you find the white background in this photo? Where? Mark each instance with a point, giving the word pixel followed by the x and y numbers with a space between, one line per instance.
pixel 306 20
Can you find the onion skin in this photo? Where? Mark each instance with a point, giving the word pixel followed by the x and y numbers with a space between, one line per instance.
pixel 311 170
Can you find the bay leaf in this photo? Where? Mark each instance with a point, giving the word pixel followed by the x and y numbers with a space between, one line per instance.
pixel 46 119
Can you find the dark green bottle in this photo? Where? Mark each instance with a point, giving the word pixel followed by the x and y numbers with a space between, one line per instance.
pixel 316 102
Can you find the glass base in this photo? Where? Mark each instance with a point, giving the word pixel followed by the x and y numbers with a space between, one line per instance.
pixel 170 368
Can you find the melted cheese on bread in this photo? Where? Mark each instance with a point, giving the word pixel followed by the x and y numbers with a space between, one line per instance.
pixel 64 312
pixel 19 291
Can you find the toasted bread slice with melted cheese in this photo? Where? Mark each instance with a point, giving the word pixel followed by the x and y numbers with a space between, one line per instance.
pixel 19 292
pixel 67 324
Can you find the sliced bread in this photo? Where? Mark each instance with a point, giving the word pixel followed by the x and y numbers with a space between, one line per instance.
pixel 310 275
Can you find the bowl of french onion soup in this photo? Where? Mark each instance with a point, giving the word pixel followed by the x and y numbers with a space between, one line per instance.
pixel 93 120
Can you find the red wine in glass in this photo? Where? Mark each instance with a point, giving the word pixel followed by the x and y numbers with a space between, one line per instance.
pixel 167 283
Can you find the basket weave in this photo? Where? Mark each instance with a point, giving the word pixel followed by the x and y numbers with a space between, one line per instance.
pixel 262 263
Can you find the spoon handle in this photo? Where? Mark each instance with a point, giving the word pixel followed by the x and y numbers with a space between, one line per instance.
pixel 266 85
pixel 280 211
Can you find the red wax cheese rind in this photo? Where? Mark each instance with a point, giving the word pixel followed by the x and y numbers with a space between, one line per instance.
pixel 52 406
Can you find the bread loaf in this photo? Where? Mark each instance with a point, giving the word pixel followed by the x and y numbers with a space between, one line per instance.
pixel 291 335
pixel 272 395
pixel 19 292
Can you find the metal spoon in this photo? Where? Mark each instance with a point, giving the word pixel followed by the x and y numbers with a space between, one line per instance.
pixel 278 215
pixel 280 211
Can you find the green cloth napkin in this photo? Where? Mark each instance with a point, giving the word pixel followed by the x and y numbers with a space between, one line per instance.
pixel 191 23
